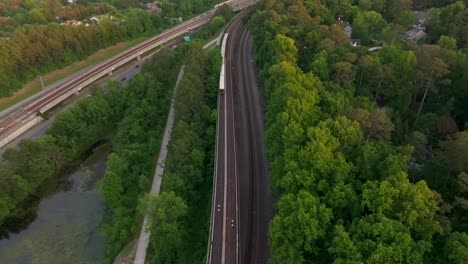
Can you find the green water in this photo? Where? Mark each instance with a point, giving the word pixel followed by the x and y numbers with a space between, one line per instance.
pixel 66 229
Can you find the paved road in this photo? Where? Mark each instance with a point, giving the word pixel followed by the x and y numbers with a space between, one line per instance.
pixel 242 201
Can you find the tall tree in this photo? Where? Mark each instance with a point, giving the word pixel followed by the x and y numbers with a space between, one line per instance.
pixel 368 25
pixel 166 213
pixel 456 248
pixel 300 223
pixel 431 66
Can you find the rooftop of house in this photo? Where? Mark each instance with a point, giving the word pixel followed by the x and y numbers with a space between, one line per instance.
pixel 347 28
pixel 421 15
pixel 97 19
pixel 72 22
pixel 356 42
pixel 414 31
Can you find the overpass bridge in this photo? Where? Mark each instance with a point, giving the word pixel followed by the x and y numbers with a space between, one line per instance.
pixel 21 117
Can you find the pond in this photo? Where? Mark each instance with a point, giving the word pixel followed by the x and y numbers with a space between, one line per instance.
pixel 67 227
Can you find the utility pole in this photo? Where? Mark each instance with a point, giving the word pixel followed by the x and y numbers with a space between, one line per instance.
pixel 42 82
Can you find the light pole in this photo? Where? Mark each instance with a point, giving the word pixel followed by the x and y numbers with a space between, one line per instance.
pixel 42 81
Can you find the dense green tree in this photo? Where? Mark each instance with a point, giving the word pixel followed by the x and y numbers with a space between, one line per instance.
pixel 37 16
pixel 456 248
pixel 297 228
pixel 356 168
pixel 368 25
pixel 407 19
pixel 411 204
pixel 431 66
pixel 419 141
pixel 453 152
pixel 396 7
pixel 343 249
pixel 283 50
pixel 383 240
pixel 462 199
pixel 111 186
pixel 375 5
pixel 370 74
pixel 166 222
pixel 189 164
pixel 24 170
pixel 344 73
pixel 447 42
pixel 340 7
pixel 449 21
pixel 396 87
pixel 319 66
pixel 375 125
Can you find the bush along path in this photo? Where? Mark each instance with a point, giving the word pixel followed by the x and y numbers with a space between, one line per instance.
pixel 178 218
pixel 143 241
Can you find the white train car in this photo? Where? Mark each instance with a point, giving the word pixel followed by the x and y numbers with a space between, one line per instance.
pixel 223 46
pixel 221 80
pixel 223 69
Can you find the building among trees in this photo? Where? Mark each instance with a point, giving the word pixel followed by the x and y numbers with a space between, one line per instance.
pixel 415 34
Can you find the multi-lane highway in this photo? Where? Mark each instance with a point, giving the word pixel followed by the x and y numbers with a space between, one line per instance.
pixel 19 119
pixel 242 204
pixel 24 115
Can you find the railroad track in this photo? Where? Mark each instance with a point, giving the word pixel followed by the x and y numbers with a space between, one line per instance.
pixel 241 179
pixel 253 178
pixel 252 236
pixel 224 234
pixel 12 123
pixel 22 116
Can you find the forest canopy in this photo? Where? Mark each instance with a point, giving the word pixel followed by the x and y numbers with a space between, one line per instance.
pixel 367 146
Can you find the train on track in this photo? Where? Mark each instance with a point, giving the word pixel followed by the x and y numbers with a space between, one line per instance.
pixel 221 80
pixel 222 74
